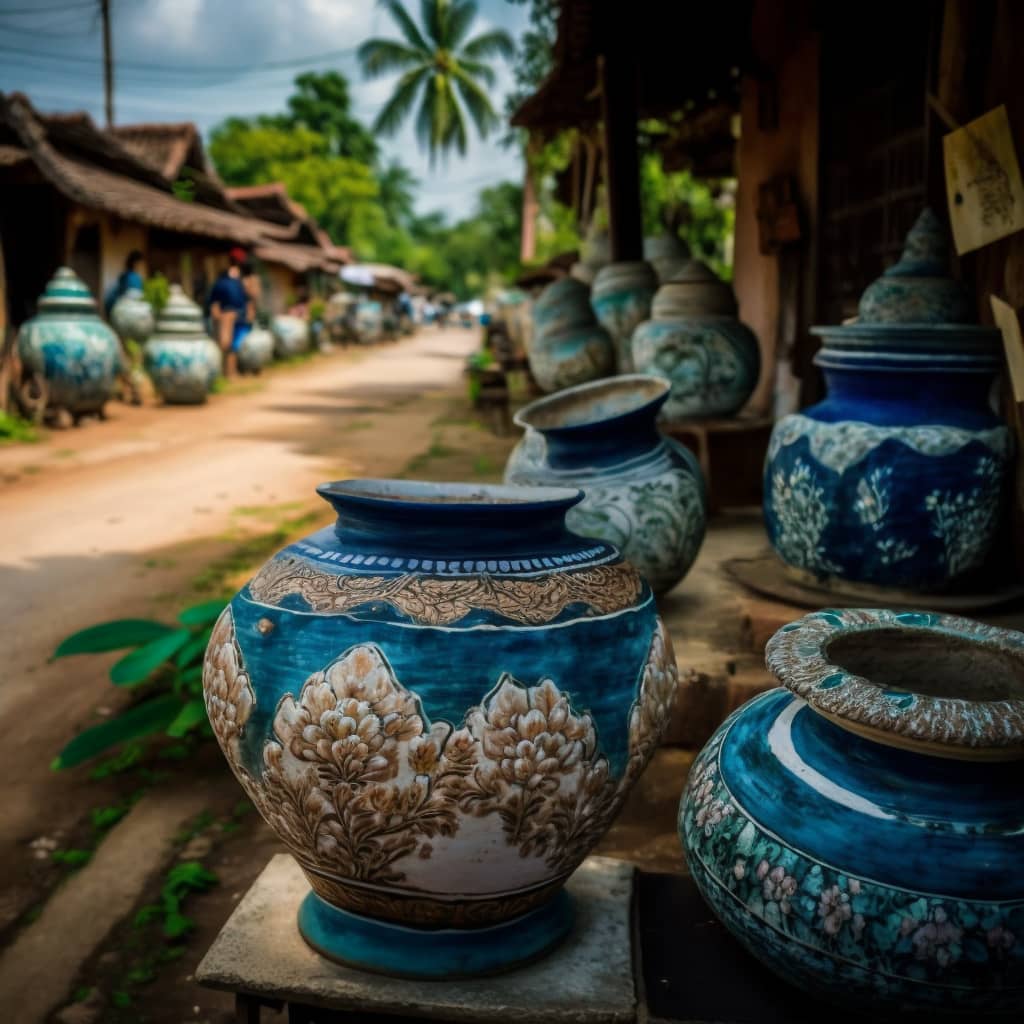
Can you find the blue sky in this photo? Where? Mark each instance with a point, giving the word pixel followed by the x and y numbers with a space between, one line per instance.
pixel 154 38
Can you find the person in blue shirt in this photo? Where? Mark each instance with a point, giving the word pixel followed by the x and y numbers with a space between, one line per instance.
pixel 130 277
pixel 230 309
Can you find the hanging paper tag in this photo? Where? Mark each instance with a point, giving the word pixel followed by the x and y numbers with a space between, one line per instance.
pixel 983 182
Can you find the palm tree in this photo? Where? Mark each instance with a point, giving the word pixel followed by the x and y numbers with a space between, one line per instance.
pixel 440 68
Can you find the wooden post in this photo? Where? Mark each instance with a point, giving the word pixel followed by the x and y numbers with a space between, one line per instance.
pixel 528 228
pixel 108 63
pixel 617 72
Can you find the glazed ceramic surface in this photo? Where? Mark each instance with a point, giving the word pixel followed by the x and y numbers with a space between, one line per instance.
pixel 695 341
pixel 568 346
pixel 621 298
pixel 181 359
pixel 132 316
pixel 70 346
pixel 668 254
pixel 291 336
pixel 644 493
pixel 858 830
pixel 440 704
pixel 256 350
pixel 898 478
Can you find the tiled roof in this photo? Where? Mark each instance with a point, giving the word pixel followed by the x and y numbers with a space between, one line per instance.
pixel 166 147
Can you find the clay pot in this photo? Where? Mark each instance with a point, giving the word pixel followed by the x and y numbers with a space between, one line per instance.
pixel 695 341
pixel 644 493
pixel 182 361
pixel 621 297
pixel 132 316
pixel 67 344
pixel 861 831
pixel 898 478
pixel 291 336
pixel 256 350
pixel 439 703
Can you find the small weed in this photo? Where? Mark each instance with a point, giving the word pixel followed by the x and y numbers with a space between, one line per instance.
pixel 483 465
pixel 200 823
pixel 160 563
pixel 125 759
pixel 71 858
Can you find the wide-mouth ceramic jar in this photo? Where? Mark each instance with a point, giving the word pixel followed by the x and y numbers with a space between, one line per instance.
pixel 861 830
pixel 180 357
pixel 898 478
pixel 439 703
pixel 67 344
pixel 644 492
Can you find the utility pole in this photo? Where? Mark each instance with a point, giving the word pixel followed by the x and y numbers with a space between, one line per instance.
pixel 108 63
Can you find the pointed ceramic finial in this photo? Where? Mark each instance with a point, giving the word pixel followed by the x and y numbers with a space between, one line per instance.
pixel 926 243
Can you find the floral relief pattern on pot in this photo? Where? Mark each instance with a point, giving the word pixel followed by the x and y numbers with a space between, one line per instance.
pixel 859 839
pixel 70 347
pixel 443 729
pixel 621 297
pixel 181 359
pixel 644 493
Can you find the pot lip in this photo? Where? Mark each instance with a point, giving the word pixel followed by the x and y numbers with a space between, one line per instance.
pixel 797 655
pixel 380 492
pixel 657 389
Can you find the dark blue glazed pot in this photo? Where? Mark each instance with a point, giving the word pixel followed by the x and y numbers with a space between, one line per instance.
pixel 643 492
pixel 898 478
pixel 861 831
pixel 440 704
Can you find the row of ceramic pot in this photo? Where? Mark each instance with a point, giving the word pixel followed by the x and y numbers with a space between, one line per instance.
pixel 441 701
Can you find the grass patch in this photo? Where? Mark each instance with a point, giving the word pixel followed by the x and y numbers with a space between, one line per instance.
pixel 15 430
pixel 437 450
pixel 160 563
pixel 483 465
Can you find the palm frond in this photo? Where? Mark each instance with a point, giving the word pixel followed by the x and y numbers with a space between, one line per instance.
pixel 432 14
pixel 459 16
pixel 496 43
pixel 397 108
pixel 455 127
pixel 477 102
pixel 480 71
pixel 406 25
pixel 380 56
pixel 424 119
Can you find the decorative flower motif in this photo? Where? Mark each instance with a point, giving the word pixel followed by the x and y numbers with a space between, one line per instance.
pixel 834 909
pixel 711 815
pixel 226 688
pixel 1000 939
pixel 936 938
pixel 776 886
pixel 739 869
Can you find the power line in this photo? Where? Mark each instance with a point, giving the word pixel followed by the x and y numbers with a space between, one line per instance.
pixel 49 10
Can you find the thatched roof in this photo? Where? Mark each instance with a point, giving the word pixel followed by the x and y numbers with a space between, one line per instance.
pixel 166 146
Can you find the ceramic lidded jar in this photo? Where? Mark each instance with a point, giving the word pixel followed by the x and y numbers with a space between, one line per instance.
pixel 621 297
pixel 568 345
pixel 291 335
pixel 668 254
pixel 181 359
pixel 644 493
pixel 439 704
pixel 696 342
pixel 861 831
pixel 132 316
pixel 256 350
pixel 68 345
pixel 898 478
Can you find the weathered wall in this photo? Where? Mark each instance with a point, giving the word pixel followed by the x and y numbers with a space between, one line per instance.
pixel 279 287
pixel 117 239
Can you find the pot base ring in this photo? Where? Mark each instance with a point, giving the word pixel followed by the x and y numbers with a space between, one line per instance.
pixel 383 947
pixel 768 576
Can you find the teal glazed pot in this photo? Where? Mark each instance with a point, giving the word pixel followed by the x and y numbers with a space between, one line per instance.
pixel 256 350
pixel 182 361
pixel 668 254
pixel 898 479
pixel 695 341
pixel 568 345
pixel 644 492
pixel 621 298
pixel 440 703
pixel 70 347
pixel 132 316
pixel 861 830
pixel 291 336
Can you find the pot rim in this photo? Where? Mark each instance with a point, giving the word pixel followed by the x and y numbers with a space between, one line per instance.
pixel 799 656
pixel 656 394
pixel 381 492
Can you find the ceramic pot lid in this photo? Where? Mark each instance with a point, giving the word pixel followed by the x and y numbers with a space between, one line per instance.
pixel 694 291
pixel 66 293
pixel 180 317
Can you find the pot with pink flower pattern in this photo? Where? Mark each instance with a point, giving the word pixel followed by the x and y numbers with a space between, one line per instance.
pixel 861 831
pixel 440 703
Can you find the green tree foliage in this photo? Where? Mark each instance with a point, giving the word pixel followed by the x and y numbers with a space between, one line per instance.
pixel 321 103
pixel 443 73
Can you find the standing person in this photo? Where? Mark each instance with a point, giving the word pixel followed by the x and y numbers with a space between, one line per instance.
pixel 229 310
pixel 253 289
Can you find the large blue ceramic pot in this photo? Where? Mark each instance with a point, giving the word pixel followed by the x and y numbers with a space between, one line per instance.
pixel 861 831
pixel 181 359
pixel 439 704
pixel 644 492
pixel 68 345
pixel 898 478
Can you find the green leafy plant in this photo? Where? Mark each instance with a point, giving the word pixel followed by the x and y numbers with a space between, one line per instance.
pixel 157 290
pixel 14 428
pixel 182 879
pixel 164 659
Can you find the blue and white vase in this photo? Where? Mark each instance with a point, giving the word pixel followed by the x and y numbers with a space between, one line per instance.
pixel 621 297
pixel 132 316
pixel 861 831
pixel 440 703
pixel 695 341
pixel 182 361
pixel 256 350
pixel 291 336
pixel 567 346
pixel 70 347
pixel 644 492
pixel 898 478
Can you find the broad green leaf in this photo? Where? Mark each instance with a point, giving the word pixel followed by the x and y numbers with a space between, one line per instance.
pixel 139 665
pixel 112 636
pixel 151 716
pixel 202 614
pixel 191 678
pixel 191 714
pixel 193 649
